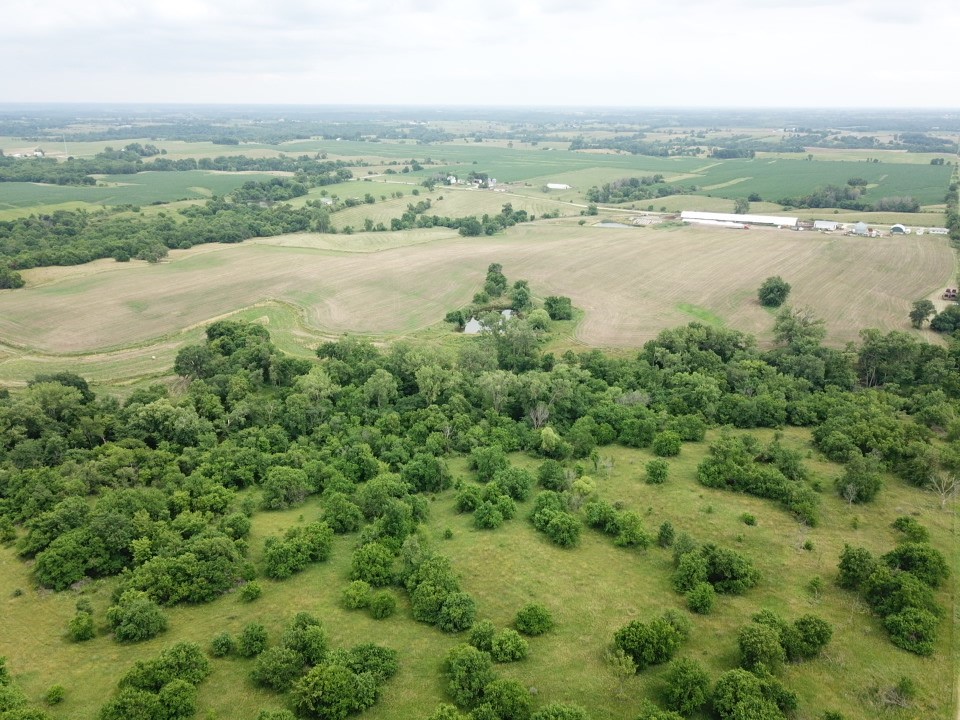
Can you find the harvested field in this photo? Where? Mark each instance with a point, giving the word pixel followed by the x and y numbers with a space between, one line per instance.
pixel 631 283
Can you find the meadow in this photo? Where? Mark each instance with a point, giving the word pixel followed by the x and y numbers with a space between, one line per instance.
pixel 591 590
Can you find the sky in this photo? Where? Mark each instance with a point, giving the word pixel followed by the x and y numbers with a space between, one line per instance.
pixel 677 53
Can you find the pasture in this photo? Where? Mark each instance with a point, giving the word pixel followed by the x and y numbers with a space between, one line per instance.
pixel 630 283
pixel 591 590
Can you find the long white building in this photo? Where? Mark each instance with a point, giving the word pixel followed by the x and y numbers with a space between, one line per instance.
pixel 775 220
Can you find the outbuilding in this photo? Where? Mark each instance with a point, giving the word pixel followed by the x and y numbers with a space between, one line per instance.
pixel 828 225
pixel 861 228
pixel 774 220
pixel 899 229
pixel 558 186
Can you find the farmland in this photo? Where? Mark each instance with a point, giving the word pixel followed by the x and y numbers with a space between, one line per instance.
pixel 632 286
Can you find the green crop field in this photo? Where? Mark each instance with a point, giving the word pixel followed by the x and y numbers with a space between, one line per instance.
pixel 139 189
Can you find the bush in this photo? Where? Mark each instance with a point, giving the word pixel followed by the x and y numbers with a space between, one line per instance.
pixel 488 516
pixel 920 559
pixel 383 605
pixel 252 640
pixel 372 563
pixel 856 565
pixel 657 472
pixel 457 612
pixel 222 645
pixel 806 638
pixel 701 597
pixel 748 519
pixel 649 643
pixel 55 695
pixel 564 530
pixel 250 591
pixel 688 686
pixel 508 646
pixel 341 513
pixel 560 711
pixel 307 637
pixel 533 620
pixel 551 475
pixel 468 499
pixel 136 617
pixel 277 668
pixel 333 692
pixel 666 534
pixel 667 444
pixel 482 634
pixel 760 645
pixel 860 481
pixel 486 461
pixel 81 627
pixel 913 630
pixel 914 531
pixel 356 595
pixel 508 699
pixel 469 671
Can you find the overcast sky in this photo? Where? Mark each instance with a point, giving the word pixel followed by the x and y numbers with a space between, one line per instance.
pixel 788 53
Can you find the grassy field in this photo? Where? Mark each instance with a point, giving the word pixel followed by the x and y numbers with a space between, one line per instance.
pixel 629 282
pixel 592 590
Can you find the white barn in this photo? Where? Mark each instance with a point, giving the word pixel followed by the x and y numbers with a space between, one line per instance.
pixel 774 220
pixel 826 225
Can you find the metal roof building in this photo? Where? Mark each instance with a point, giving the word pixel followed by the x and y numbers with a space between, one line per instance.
pixel 776 220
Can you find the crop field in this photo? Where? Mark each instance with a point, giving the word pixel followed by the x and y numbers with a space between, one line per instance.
pixel 631 283
pixel 591 590
pixel 139 189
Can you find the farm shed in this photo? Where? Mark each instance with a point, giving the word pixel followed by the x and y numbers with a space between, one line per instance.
pixel 898 229
pixel 825 225
pixel 774 220
pixel 938 231
pixel 861 229
pixel 558 186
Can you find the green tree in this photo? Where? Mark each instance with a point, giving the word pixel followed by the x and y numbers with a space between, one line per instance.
pixel 921 311
pixel 468 671
pixel 741 206
pixel 656 472
pixel 688 686
pixel 277 668
pixel 760 645
pixel 136 617
pixel 508 646
pixel 773 291
pixel 372 563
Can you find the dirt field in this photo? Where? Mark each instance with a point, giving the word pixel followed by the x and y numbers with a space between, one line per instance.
pixel 630 282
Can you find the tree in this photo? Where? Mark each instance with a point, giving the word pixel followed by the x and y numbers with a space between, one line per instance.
pixel 649 643
pixel 372 563
pixel 656 472
pixel 701 597
pixel 773 292
pixel 559 307
pixel 688 686
pixel 921 311
pixel 861 480
pixel 913 629
pixel 508 699
pixel 332 692
pixel 252 640
pixel 277 668
pixel 667 443
pixel 741 206
pixel 799 329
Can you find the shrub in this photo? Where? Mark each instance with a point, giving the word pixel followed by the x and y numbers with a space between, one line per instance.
pixel 657 472
pixel 482 634
pixel 55 695
pixel 856 565
pixel 920 559
pixel 487 516
pixel 564 530
pixel 688 686
pixel 250 591
pixel 333 692
pixel 914 531
pixel 748 519
pixel 508 646
pixel 136 617
pixel 551 475
pixel 307 637
pixel 469 671
pixel 222 645
pixel 561 711
pixel 468 499
pixel 913 629
pixel 372 563
pixel 341 513
pixel 667 444
pixel 806 638
pixel 508 699
pixel 701 597
pixel 252 640
pixel 356 595
pixel 533 619
pixel 81 627
pixel 514 482
pixel 666 534
pixel 277 668
pixel 457 612
pixel 383 605
pixel 649 643
pixel 486 461
pixel 760 645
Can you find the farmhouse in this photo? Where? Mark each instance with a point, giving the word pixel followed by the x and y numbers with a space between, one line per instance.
pixel 693 216
pixel 829 225
pixel 558 186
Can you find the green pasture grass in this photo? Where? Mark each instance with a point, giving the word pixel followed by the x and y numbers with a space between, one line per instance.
pixel 591 590
pixel 701 314
pixel 841 154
